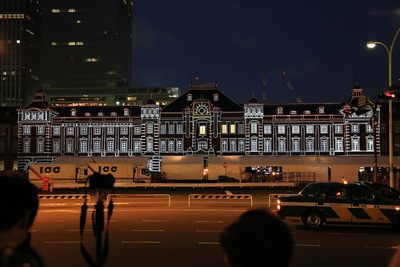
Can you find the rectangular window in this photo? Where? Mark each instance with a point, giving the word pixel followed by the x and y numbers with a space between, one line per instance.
pixel 232 143
pixel 110 130
pixel 27 146
pixel 110 145
pixel 254 145
pixel 179 145
pixel 70 130
pixel 253 127
pixel 97 146
pixel 295 129
pixel 124 145
pixel 40 130
pixel 163 129
pixel 241 128
pixel 83 131
pixel 310 129
pixel 296 145
pixel 40 146
pixel 56 146
pixel 27 130
pixel 355 144
pixel 202 129
pixel 171 128
pixel 56 130
pixel 137 130
pixel 370 144
pixel 96 130
pixel 233 128
pixel 241 145
pixel 124 130
pixel 137 146
pixel 267 145
pixel 310 144
pixel 338 128
pixel 70 146
pixel 171 145
pixel 324 129
pixel 281 145
pixel 281 129
pixel 83 146
pixel 179 128
pixel 324 145
pixel 224 129
pixel 339 144
pixel 267 129
pixel 163 146
pixel 224 145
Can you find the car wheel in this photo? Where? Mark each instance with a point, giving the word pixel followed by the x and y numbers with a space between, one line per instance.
pixel 313 220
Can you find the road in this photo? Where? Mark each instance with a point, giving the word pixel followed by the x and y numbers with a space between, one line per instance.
pixel 147 228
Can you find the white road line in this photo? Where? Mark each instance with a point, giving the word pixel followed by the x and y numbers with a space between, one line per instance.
pixel 307 245
pixel 208 231
pixel 209 221
pixel 62 242
pixel 155 221
pixel 140 242
pixel 143 230
pixel 208 243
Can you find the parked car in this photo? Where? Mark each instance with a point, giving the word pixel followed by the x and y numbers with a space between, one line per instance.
pixel 384 190
pixel 323 203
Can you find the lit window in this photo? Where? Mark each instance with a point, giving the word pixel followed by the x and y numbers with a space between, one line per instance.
pixel 55 11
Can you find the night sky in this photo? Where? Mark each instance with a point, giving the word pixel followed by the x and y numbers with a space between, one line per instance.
pixel 320 44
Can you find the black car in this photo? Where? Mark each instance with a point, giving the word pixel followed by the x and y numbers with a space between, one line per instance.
pixel 384 190
pixel 324 203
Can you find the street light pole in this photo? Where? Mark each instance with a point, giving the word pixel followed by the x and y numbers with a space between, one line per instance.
pixel 389 51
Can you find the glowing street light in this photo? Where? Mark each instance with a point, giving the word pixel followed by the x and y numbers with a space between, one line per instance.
pixel 389 50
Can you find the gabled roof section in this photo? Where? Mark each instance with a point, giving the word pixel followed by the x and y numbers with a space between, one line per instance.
pixel 39 101
pixel 303 108
pixel 206 91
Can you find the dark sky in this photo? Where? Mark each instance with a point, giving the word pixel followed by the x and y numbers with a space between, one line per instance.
pixel 320 44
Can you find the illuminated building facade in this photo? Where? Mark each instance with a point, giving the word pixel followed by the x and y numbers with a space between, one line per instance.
pixel 19 51
pixel 203 127
pixel 86 43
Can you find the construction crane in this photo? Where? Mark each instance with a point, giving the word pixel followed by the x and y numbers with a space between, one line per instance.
pixel 291 88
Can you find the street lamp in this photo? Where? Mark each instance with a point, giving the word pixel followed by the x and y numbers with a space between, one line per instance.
pixel 389 50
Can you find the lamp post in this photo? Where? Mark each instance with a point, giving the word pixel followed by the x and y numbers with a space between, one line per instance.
pixel 389 50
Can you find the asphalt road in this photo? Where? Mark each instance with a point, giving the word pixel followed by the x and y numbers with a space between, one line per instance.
pixel 159 228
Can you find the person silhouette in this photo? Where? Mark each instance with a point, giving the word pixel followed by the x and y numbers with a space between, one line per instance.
pixel 258 239
pixel 19 204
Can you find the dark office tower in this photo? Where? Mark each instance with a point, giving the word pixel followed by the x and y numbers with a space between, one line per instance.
pixel 19 51
pixel 86 43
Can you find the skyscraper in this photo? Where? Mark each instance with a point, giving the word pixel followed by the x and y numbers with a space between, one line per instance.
pixel 19 51
pixel 86 44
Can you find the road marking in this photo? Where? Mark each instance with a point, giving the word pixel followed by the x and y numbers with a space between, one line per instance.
pixel 209 221
pixel 158 221
pixel 62 242
pixel 208 231
pixel 143 230
pixel 307 245
pixel 140 242
pixel 208 243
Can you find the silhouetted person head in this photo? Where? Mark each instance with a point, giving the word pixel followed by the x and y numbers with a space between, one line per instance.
pixel 257 239
pixel 19 204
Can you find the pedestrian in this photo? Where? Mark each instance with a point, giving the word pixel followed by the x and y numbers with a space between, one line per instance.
pixel 19 204
pixel 258 239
